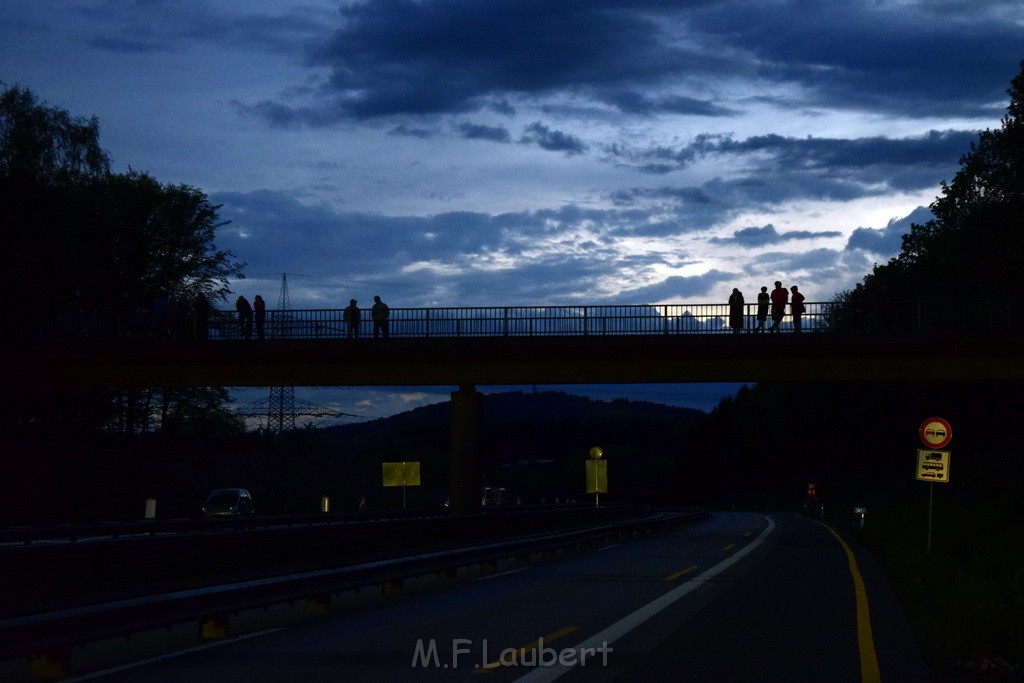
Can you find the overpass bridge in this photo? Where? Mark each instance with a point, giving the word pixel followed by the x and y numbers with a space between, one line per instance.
pixel 678 343
pixel 467 347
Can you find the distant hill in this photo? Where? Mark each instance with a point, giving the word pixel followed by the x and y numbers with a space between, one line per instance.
pixel 534 444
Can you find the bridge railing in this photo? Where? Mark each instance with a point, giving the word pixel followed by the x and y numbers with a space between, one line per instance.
pixel 518 321
pixel 532 321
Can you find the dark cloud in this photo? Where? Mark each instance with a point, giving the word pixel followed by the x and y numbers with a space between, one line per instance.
pixel 552 140
pixel 273 227
pixel 888 241
pixel 907 163
pixel 144 27
pixel 767 235
pixel 390 57
pixel 820 262
pixel 634 102
pixel 425 57
pixel 910 59
pixel 412 132
pixel 475 131
pixel 677 288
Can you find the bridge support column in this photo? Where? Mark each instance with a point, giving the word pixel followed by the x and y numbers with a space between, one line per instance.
pixel 464 463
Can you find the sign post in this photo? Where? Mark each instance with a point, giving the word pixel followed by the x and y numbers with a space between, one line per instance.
pixel 933 464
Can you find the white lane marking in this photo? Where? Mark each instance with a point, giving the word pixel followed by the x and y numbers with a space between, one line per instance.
pixel 494 576
pixel 629 622
pixel 170 655
pixel 613 545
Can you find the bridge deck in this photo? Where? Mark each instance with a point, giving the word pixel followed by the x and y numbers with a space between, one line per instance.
pixel 518 360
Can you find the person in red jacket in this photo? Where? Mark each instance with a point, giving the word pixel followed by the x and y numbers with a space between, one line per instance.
pixel 780 297
pixel 796 307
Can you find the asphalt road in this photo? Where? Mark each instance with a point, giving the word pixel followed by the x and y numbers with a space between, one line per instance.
pixel 740 597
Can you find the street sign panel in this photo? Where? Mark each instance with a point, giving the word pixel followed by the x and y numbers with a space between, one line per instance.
pixel 933 465
pixel 401 473
pixel 935 432
pixel 597 476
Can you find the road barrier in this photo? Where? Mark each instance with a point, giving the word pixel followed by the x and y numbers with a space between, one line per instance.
pixel 47 639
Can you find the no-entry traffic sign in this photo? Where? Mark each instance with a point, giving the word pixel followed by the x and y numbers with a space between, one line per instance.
pixel 935 432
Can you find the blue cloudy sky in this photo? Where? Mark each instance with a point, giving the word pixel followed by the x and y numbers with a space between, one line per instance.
pixel 483 152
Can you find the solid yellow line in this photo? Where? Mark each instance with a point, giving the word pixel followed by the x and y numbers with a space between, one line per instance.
pixel 869 672
pixel 673 577
pixel 729 547
pixel 496 664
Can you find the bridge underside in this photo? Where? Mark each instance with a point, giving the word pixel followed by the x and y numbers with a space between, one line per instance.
pixel 511 360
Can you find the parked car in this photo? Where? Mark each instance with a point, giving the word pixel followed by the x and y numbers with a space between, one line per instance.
pixel 225 502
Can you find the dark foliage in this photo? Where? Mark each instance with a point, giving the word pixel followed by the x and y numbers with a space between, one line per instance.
pixel 974 246
pixel 80 238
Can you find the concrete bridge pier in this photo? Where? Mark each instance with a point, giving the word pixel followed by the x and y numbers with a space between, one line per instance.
pixel 464 464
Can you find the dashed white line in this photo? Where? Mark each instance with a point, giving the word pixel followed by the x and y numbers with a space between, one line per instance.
pixel 171 655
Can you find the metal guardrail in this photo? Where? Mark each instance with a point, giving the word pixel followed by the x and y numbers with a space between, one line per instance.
pixel 47 638
pixel 73 533
pixel 537 321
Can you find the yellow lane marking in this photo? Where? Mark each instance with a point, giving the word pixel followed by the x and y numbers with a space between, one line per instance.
pixel 748 534
pixel 869 672
pixel 729 547
pixel 496 664
pixel 681 572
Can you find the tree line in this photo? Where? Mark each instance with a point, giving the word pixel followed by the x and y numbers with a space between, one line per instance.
pixel 81 238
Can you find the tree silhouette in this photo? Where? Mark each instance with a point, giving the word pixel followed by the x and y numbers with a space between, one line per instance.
pixel 973 246
pixel 81 238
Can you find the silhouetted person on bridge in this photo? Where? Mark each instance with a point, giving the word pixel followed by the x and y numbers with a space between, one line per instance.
pixel 351 317
pixel 736 306
pixel 380 314
pixel 763 301
pixel 260 307
pixel 779 297
pixel 244 317
pixel 796 307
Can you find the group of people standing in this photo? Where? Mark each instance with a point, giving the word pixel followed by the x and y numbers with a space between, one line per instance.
pixel 379 313
pixel 774 303
pixel 249 313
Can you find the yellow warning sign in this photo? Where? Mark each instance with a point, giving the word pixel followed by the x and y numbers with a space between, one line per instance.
pixel 933 465
pixel 401 473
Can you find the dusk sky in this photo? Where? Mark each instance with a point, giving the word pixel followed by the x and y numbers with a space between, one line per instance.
pixel 529 152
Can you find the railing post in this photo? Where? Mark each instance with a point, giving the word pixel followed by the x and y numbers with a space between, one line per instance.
pixel 664 318
pixel 505 322
pixel 426 322
pixel 586 321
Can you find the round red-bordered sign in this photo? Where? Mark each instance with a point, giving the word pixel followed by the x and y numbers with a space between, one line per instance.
pixel 935 432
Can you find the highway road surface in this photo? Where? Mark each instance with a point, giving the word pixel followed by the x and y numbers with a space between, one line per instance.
pixel 739 597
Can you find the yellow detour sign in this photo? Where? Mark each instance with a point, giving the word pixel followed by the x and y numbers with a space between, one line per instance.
pixel 401 473
pixel 933 465
pixel 597 476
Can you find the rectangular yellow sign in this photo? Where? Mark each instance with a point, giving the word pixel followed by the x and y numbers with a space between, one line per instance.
pixel 933 465
pixel 401 473
pixel 597 476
